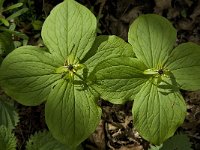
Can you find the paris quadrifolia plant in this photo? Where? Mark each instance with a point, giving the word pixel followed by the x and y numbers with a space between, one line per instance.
pixel 153 78
pixel 77 67
pixel 59 76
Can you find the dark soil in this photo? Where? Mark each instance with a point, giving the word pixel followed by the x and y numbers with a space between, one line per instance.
pixel 116 129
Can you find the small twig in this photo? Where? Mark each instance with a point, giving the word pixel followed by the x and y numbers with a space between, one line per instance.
pixel 101 7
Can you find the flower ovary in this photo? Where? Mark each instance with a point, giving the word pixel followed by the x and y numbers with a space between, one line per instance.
pixel 70 67
pixel 160 71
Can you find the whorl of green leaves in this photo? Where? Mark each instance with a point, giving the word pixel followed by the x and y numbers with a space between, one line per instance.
pixel 153 78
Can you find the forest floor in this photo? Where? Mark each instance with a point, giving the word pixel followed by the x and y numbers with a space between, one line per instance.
pixel 116 129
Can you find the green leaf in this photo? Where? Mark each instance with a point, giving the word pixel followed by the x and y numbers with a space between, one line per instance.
pixel 106 47
pixel 6 43
pixel 7 139
pixel 155 147
pixel 71 113
pixel 157 112
pixel 37 24
pixel 177 142
pixel 70 29
pixel 13 7
pixel 9 117
pixel 1 4
pixel 44 141
pixel 185 65
pixel 152 38
pixel 18 13
pixel 119 79
pixel 27 73
pixel 4 21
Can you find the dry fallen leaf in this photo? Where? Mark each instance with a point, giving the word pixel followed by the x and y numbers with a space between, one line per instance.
pixel 98 137
pixel 161 5
pixel 186 24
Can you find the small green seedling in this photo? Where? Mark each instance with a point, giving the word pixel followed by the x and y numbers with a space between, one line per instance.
pixel 59 75
pixel 153 79
pixel 6 33
pixel 5 20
